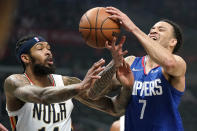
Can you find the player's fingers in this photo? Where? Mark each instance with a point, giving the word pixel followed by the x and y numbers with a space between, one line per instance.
pixel 97 71
pixel 113 12
pixel 109 47
pixel 122 41
pixel 114 42
pixel 123 63
pixel 124 52
pixel 95 77
pixel 115 17
pixel 98 64
pixel 127 66
pixel 112 8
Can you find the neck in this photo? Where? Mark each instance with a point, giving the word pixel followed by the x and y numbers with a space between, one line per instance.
pixel 38 80
pixel 150 62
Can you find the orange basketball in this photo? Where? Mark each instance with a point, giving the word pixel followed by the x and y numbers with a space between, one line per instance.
pixel 96 28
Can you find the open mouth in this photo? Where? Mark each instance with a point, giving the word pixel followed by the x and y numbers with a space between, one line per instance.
pixel 153 37
pixel 50 61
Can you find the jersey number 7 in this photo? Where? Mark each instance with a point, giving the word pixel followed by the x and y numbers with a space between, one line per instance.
pixel 143 108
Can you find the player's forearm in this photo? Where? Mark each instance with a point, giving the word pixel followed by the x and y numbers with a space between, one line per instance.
pixel 158 53
pixel 104 104
pixel 121 101
pixel 114 106
pixel 48 95
pixel 61 94
pixel 103 83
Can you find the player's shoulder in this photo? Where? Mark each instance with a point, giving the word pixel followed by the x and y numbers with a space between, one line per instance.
pixel 181 63
pixel 70 80
pixel 15 80
pixel 130 59
pixel 14 77
pixel 179 58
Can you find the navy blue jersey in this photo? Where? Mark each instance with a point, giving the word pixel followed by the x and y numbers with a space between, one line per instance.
pixel 154 102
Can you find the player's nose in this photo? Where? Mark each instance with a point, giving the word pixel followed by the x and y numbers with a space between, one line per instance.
pixel 153 31
pixel 48 52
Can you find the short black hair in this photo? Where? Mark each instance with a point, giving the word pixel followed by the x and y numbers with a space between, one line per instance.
pixel 22 41
pixel 177 34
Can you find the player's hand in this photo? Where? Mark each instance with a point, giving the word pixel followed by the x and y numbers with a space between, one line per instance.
pixel 2 128
pixel 122 18
pixel 116 50
pixel 92 74
pixel 125 75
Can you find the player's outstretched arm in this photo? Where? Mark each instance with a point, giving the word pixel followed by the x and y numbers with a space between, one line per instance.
pixel 18 86
pixel 113 105
pixel 108 75
pixel 172 64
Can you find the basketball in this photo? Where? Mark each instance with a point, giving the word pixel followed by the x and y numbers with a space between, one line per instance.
pixel 96 28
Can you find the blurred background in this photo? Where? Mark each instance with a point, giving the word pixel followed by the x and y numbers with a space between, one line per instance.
pixel 57 21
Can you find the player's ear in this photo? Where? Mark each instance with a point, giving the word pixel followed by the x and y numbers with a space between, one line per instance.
pixel 25 58
pixel 173 42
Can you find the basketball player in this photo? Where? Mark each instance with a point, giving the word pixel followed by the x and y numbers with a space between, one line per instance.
pixel 39 100
pixel 159 77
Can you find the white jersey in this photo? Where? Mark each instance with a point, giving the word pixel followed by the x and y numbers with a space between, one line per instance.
pixel 41 117
pixel 122 123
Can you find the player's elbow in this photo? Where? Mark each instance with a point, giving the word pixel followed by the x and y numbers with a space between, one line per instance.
pixel 45 97
pixel 92 95
pixel 170 64
pixel 40 99
pixel 44 100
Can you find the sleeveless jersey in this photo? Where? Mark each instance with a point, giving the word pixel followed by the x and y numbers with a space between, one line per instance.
pixel 41 117
pixel 122 123
pixel 154 102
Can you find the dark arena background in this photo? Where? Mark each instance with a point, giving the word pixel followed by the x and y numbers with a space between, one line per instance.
pixel 57 21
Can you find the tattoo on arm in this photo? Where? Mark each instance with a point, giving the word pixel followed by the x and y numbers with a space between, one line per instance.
pixel 114 106
pixel 70 80
pixel 101 84
pixel 121 101
pixel 17 86
pixel 66 92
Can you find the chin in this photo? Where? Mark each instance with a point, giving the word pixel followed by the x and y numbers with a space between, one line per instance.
pixel 44 70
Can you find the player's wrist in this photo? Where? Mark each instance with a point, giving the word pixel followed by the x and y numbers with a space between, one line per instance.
pixel 115 64
pixel 132 28
pixel 127 87
pixel 79 87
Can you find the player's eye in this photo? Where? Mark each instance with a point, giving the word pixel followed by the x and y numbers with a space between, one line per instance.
pixel 48 47
pixel 161 29
pixel 152 29
pixel 39 47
